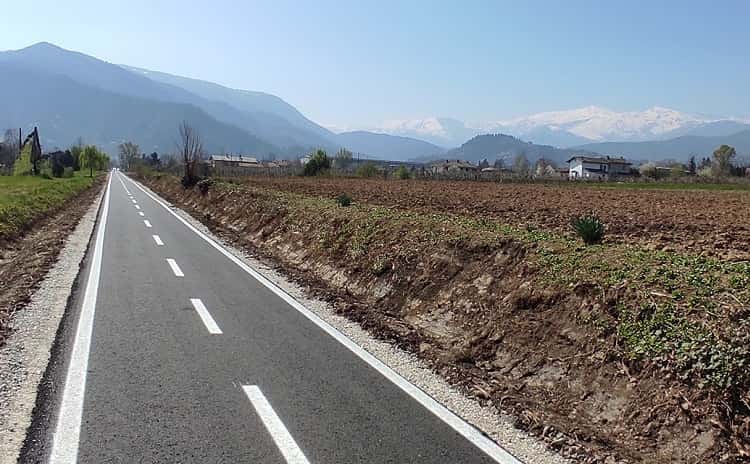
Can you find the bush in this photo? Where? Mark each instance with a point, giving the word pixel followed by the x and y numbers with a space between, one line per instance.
pixel 402 173
pixel 367 170
pixel 649 170
pixel 319 162
pixel 67 172
pixel 344 200
pixel 204 185
pixel 143 170
pixel 189 181
pixel 589 227
pixel 45 169
pixel 22 166
pixel 57 168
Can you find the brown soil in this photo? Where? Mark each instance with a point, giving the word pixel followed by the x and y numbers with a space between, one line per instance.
pixel 478 314
pixel 25 260
pixel 715 222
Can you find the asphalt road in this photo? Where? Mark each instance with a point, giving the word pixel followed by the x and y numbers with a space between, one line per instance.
pixel 183 354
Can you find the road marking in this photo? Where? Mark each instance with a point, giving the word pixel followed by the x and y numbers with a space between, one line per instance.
pixel 141 213
pixel 137 207
pixel 158 241
pixel 281 436
pixel 175 268
pixel 68 429
pixel 125 187
pixel 133 200
pixel 468 431
pixel 147 223
pixel 208 321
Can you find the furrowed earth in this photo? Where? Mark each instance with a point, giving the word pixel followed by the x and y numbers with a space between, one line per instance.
pixel 635 350
pixel 706 221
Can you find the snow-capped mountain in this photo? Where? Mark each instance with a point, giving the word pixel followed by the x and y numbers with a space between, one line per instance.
pixel 444 132
pixel 571 127
pixel 596 123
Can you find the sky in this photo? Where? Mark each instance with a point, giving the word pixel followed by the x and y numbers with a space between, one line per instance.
pixel 358 63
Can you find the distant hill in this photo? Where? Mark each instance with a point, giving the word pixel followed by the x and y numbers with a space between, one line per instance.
pixel 64 109
pixel 494 146
pixel 387 147
pixel 679 148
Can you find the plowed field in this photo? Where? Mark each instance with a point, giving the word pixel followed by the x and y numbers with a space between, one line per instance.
pixel 700 221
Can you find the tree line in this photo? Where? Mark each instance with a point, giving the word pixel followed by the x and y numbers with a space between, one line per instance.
pixel 721 165
pixel 25 158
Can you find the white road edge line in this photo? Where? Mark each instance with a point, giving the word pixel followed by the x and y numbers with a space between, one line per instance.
pixel 147 223
pixel 158 241
pixel 68 429
pixel 208 321
pixel 175 268
pixel 468 431
pixel 281 436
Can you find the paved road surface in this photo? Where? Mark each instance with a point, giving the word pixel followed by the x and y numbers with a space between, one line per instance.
pixel 184 354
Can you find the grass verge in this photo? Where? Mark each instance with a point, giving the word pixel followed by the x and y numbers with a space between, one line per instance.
pixel 24 199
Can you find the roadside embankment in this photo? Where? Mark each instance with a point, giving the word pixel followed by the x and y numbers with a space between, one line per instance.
pixel 608 352
pixel 38 270
pixel 36 217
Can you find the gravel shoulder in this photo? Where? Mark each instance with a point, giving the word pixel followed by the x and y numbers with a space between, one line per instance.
pixel 25 356
pixel 493 422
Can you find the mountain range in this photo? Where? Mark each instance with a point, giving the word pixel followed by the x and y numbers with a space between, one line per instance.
pixel 678 148
pixel 571 128
pixel 76 95
pixel 70 95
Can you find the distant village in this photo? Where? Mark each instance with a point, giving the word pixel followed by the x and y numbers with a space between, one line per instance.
pixel 583 167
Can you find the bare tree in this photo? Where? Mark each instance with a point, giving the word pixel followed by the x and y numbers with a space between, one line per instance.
pixel 9 149
pixel 129 153
pixel 190 148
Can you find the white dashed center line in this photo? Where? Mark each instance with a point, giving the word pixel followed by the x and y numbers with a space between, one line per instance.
pixel 281 436
pixel 175 268
pixel 148 224
pixel 157 239
pixel 137 207
pixel 141 213
pixel 133 200
pixel 208 321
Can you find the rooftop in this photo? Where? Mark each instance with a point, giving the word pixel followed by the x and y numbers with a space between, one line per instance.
pixel 235 158
pixel 600 159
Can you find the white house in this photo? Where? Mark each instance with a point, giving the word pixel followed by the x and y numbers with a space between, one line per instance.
pixel 597 167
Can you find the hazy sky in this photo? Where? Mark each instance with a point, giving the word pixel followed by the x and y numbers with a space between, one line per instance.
pixel 355 64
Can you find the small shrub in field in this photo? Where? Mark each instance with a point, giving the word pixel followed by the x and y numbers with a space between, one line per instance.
pixel 204 185
pixel 344 200
pixel 189 181
pixel 402 173
pixel 367 170
pixel 67 172
pixel 589 227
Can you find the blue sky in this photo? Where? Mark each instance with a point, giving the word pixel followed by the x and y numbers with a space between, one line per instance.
pixel 358 63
